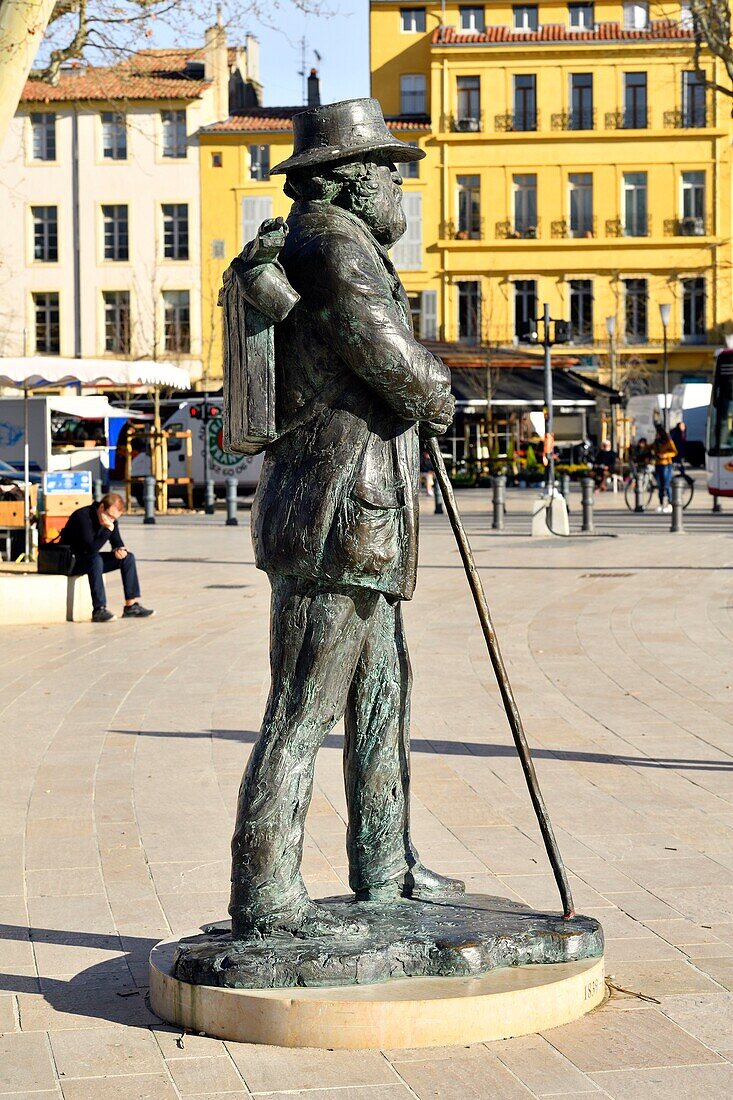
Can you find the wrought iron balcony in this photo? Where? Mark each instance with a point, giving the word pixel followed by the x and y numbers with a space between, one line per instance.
pixel 691 118
pixel 517 231
pixel 465 123
pixel 627 120
pixel 574 120
pixel 586 227
pixel 639 228
pixel 455 231
pixel 517 122
pixel 688 227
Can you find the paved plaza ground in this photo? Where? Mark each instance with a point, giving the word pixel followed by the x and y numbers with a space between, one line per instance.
pixel 123 747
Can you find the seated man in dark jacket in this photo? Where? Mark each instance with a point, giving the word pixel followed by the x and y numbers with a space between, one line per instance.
pixel 86 532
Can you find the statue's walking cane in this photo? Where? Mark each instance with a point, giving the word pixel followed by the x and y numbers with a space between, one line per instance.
pixel 505 688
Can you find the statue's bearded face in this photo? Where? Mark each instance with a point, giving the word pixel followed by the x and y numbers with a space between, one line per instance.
pixel 374 194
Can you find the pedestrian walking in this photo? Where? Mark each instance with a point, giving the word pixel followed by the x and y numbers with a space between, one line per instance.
pixel 665 453
pixel 678 435
pixel 427 476
pixel 86 532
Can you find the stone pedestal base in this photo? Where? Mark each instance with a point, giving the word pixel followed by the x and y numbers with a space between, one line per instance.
pixel 410 1012
pixel 419 974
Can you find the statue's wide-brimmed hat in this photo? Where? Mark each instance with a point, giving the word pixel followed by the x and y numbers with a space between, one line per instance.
pixel 343 131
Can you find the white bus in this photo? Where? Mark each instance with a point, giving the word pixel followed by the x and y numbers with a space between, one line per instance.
pixel 720 428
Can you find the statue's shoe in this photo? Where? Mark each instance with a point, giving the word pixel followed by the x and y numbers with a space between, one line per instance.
pixel 419 882
pixel 306 921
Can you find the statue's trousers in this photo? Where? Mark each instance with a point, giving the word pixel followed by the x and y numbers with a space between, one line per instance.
pixel 332 654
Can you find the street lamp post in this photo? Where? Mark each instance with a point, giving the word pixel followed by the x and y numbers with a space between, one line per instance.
pixel 665 310
pixel 611 330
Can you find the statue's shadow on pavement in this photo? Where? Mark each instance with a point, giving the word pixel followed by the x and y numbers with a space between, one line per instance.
pixel 471 748
pixel 114 990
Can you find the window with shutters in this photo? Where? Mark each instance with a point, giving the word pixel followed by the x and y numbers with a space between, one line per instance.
pixel 407 252
pixel 177 321
pixel 636 223
pixel 255 209
pixel 175 230
pixel 43 131
pixel 174 133
pixel 469 312
pixel 581 311
pixel 636 300
pixel 635 101
pixel 525 308
pixel 259 162
pixel 114 136
pixel 525 102
pixel 412 20
pixel 218 248
pixel 581 101
pixel 116 233
pixel 47 323
pixel 413 94
pixel 117 321
pixel 469 207
pixel 693 310
pixel 45 233
pixel 472 19
pixel 429 315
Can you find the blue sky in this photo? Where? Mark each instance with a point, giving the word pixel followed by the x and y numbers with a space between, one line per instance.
pixel 342 41
pixel 341 38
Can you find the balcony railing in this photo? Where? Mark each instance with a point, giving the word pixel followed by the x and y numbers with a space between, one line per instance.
pixel 574 120
pixel 583 334
pixel 688 227
pixel 691 118
pixel 616 228
pixel 627 120
pixel 454 231
pixel 464 124
pixel 517 121
pixel 584 228
pixel 517 231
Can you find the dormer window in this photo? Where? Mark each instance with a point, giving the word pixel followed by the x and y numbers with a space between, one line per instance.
pixel 472 19
pixel 525 17
pixel 636 15
pixel 581 17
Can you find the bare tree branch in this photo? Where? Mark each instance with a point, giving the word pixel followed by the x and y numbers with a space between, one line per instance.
pixel 711 22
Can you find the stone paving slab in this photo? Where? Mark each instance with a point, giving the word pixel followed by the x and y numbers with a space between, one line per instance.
pixel 123 747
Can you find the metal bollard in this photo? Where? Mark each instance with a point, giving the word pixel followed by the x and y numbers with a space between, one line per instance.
pixel 499 484
pixel 638 502
pixel 149 500
pixel 438 498
pixel 232 487
pixel 717 506
pixel 588 486
pixel 676 525
pixel 565 487
pixel 209 497
pixel 98 491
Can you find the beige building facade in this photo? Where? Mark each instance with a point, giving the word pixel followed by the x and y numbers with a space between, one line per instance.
pixel 100 251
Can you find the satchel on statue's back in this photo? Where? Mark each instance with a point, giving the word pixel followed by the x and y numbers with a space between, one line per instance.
pixel 256 294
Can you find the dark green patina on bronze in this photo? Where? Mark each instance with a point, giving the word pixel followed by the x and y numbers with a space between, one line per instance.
pixel 343 396
pixel 405 939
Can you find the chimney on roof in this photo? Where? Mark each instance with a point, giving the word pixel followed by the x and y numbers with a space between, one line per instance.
pixel 216 66
pixel 314 89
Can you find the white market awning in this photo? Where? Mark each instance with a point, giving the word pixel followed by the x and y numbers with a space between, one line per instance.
pixel 39 370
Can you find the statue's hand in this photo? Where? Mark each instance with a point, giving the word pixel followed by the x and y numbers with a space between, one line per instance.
pixel 441 417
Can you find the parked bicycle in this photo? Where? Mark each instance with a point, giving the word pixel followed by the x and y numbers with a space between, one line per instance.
pixel 644 477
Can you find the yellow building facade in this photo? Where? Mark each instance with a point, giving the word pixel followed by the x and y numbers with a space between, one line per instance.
pixel 574 158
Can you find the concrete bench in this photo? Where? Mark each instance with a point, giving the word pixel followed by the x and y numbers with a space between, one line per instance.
pixel 28 598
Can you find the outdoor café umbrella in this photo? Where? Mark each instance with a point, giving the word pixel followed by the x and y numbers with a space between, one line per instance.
pixel 32 372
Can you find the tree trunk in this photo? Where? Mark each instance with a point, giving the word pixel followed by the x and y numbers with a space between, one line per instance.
pixel 22 26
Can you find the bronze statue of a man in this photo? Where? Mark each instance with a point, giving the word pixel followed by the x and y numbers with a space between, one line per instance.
pixel 335 525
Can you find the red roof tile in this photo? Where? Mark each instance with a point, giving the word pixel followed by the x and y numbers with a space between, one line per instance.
pixel 661 29
pixel 147 74
pixel 266 120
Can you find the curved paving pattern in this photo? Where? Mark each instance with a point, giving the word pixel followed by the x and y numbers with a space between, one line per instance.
pixel 123 747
